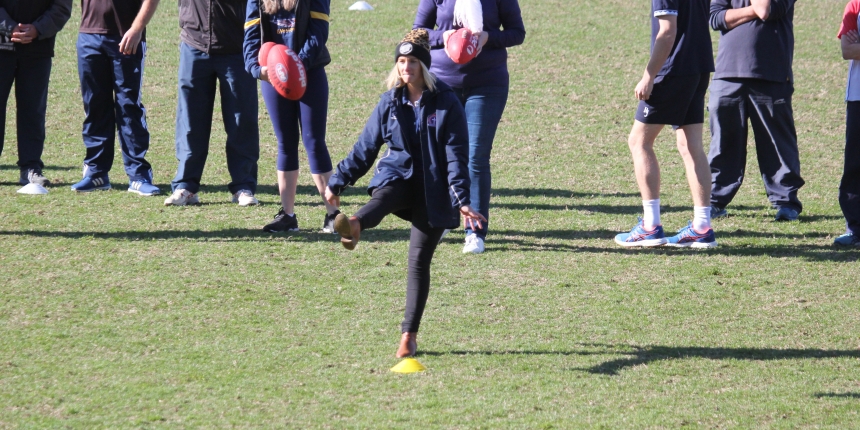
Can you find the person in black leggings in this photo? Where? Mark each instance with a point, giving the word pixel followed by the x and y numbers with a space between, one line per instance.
pixel 422 177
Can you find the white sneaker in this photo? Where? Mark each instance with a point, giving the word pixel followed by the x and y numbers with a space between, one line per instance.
pixel 182 197
pixel 245 198
pixel 474 244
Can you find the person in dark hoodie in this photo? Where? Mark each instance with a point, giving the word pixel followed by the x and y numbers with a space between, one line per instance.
pixel 28 30
pixel 301 25
pixel 422 177
pixel 210 52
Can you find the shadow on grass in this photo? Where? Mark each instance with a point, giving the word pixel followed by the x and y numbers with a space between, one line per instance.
pixel 15 167
pixel 552 192
pixel 500 241
pixel 636 355
pixel 646 355
pixel 848 395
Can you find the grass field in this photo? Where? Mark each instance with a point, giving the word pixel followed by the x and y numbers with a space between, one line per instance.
pixel 117 312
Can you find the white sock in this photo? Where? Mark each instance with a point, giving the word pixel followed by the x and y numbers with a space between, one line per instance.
pixel 651 218
pixel 701 218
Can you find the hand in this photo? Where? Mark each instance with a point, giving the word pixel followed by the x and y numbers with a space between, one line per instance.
pixel 644 88
pixel 471 219
pixel 445 36
pixel 852 36
pixel 482 40
pixel 330 197
pixel 130 41
pixel 24 34
pixel 264 74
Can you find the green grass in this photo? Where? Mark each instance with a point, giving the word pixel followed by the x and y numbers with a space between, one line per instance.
pixel 117 312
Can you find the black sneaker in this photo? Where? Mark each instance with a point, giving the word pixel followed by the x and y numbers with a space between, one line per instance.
pixel 33 176
pixel 282 222
pixel 328 222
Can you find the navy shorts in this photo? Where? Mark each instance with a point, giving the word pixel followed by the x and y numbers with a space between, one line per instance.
pixel 675 100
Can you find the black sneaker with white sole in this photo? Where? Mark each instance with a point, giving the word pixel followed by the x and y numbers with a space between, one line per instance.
pixel 328 222
pixel 282 222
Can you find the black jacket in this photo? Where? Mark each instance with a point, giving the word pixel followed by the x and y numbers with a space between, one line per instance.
pixel 213 26
pixel 48 16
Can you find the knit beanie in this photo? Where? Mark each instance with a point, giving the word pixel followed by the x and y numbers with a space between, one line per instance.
pixel 417 44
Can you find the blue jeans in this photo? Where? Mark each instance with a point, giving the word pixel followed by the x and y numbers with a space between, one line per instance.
pixel 111 89
pixel 198 74
pixel 484 107
pixel 30 77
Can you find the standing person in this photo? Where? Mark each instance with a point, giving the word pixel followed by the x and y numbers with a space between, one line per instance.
pixel 27 33
pixel 672 92
pixel 753 83
pixel 849 188
pixel 211 51
pixel 111 52
pixel 481 85
pixel 422 176
pixel 301 25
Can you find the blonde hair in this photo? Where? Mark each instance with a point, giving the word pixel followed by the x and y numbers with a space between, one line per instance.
pixel 272 6
pixel 394 81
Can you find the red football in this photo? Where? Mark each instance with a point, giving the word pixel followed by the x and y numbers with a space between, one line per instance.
pixel 264 53
pixel 462 46
pixel 286 72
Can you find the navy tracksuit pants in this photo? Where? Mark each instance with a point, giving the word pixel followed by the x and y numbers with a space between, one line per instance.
pixel 849 188
pixel 30 77
pixel 111 89
pixel 735 103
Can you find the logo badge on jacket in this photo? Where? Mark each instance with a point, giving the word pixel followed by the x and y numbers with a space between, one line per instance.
pixel 431 120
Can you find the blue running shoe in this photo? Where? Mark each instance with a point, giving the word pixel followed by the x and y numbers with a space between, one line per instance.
pixel 641 237
pixel 688 238
pixel 786 214
pixel 91 184
pixel 143 187
pixel 847 239
pixel 718 212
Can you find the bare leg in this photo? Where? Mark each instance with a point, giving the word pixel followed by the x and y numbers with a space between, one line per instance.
pixel 287 182
pixel 695 162
pixel 321 181
pixel 641 143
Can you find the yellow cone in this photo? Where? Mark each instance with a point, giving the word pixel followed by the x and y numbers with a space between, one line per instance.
pixel 408 365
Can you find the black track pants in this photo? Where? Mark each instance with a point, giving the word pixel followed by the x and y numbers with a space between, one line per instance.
pixel 849 188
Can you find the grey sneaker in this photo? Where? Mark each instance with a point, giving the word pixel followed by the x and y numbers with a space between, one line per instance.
pixel 718 212
pixel 33 176
pixel 245 198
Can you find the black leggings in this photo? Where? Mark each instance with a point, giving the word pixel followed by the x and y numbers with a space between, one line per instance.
pixel 407 196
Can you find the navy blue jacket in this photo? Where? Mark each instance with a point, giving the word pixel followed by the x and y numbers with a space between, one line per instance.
pixel 306 28
pixel 445 152
pixel 48 16
pixel 755 49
